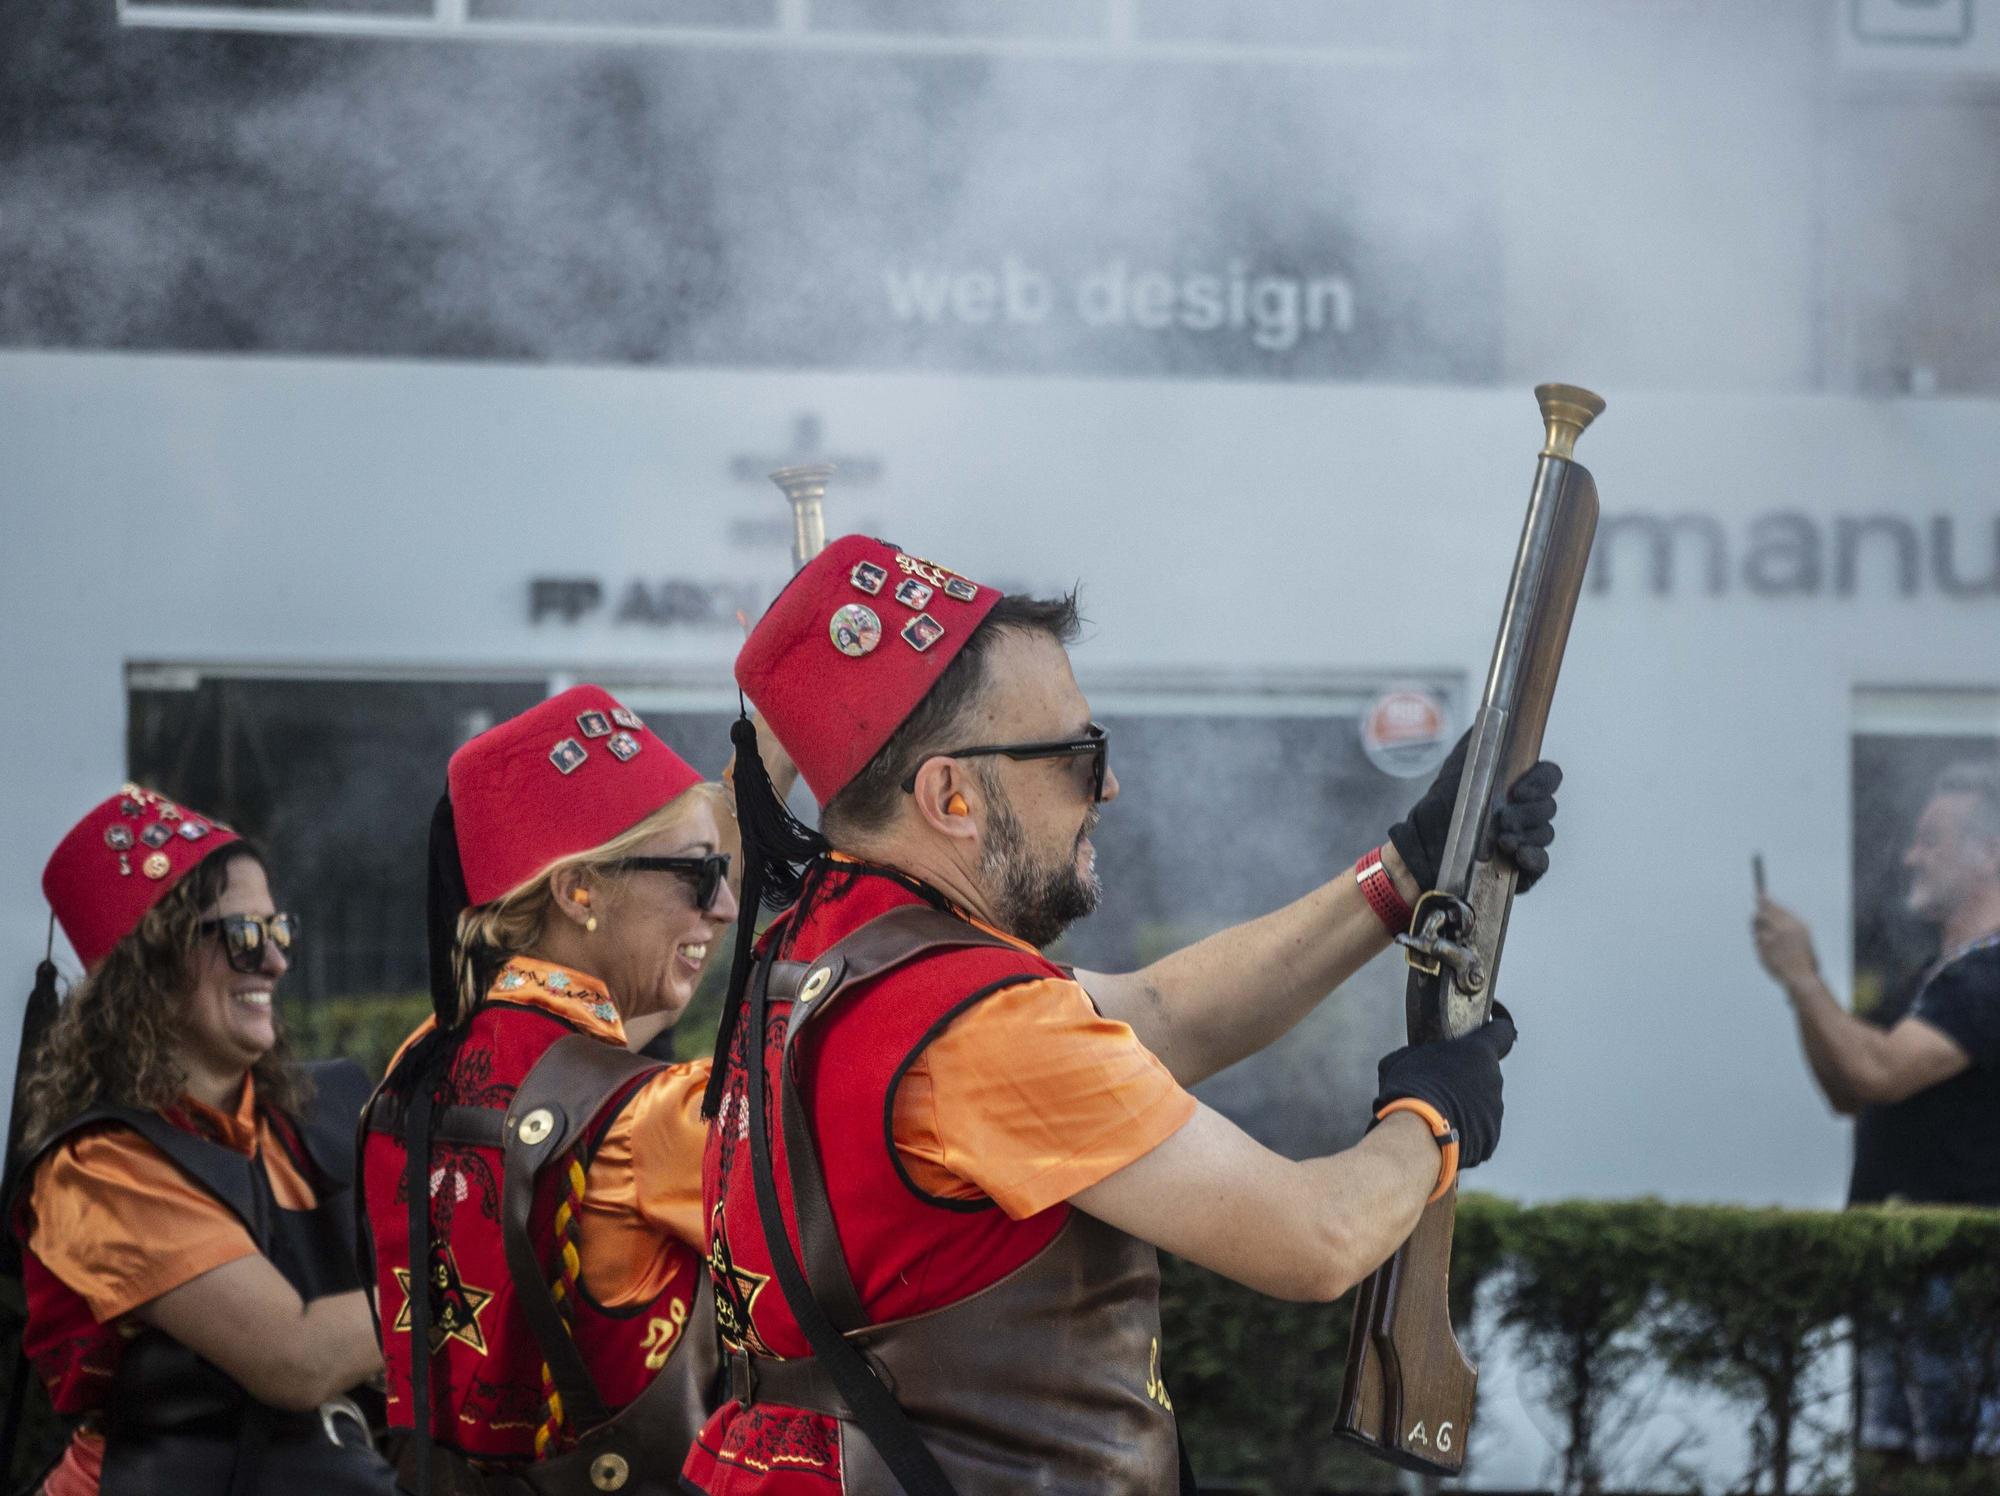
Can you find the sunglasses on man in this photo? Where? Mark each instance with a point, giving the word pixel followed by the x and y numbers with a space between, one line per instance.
pixel 1095 744
pixel 246 936
pixel 705 874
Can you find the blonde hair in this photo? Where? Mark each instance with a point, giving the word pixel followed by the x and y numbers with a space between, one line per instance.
pixel 490 934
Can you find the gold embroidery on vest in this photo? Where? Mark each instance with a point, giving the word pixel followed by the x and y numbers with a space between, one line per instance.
pixel 663 1334
pixel 1155 1388
pixel 736 1291
pixel 455 1304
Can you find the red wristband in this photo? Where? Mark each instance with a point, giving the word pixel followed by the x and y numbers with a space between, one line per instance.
pixel 1379 889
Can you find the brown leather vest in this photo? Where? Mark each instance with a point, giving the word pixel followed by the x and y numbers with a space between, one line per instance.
pixel 1047 1380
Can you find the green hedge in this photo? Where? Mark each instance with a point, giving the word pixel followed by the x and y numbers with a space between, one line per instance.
pixel 1596 1294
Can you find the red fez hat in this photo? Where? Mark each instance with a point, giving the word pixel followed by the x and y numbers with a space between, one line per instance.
pixel 561 778
pixel 119 861
pixel 848 650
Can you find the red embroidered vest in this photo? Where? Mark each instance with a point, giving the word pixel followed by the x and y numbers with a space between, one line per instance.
pixel 909 1252
pixel 486 1369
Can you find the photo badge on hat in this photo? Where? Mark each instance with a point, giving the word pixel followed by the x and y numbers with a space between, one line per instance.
pixel 854 629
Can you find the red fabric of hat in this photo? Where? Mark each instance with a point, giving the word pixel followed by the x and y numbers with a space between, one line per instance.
pixel 561 778
pixel 849 649
pixel 119 861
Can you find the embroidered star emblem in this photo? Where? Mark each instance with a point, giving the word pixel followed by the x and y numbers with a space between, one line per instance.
pixel 455 1304
pixel 736 1291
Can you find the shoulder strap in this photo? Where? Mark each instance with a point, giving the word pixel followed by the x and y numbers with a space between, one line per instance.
pixel 879 946
pixel 549 1114
pixel 224 1173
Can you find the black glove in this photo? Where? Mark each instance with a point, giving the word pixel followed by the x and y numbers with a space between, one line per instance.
pixel 1460 1077
pixel 1521 826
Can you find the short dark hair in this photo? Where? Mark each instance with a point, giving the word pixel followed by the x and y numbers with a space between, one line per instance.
pixel 1979 778
pixel 868 801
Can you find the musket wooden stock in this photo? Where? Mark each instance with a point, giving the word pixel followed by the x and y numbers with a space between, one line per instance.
pixel 1409 1390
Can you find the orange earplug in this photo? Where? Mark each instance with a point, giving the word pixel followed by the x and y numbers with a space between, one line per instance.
pixel 955 805
pixel 581 896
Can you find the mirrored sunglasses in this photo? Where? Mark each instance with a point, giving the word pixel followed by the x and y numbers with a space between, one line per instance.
pixel 245 937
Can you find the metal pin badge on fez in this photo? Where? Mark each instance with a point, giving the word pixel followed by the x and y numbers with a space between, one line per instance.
pixel 921 632
pixel 626 718
pixel 624 747
pixel 118 837
pixel 157 835
pixel 961 589
pixel 156 866
pixel 194 830
pixel 916 566
pixel 913 594
pixel 568 755
pixel 593 724
pixel 855 630
pixel 868 577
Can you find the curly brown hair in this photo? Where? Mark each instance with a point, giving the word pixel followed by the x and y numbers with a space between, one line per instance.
pixel 113 1043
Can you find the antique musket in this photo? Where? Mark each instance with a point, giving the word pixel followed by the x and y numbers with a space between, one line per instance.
pixel 1408 1394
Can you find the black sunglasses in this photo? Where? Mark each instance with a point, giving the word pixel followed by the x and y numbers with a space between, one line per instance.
pixel 707 874
pixel 244 937
pixel 1095 743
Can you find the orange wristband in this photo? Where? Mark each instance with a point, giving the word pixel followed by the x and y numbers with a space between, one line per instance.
pixel 1443 1131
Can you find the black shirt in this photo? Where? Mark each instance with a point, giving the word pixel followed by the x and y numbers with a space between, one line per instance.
pixel 1941 1145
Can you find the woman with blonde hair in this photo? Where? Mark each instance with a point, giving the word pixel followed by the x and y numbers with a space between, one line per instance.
pixel 194 1305
pixel 538 1182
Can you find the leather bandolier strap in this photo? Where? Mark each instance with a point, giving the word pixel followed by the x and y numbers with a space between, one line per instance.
pixel 643 1442
pixel 1078 1293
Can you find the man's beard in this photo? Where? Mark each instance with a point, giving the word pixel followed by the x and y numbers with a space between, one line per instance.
pixel 1034 899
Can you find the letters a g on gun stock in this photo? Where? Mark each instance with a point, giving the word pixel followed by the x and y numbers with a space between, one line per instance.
pixel 1408 1394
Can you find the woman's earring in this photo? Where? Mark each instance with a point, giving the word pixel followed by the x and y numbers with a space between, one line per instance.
pixel 590 925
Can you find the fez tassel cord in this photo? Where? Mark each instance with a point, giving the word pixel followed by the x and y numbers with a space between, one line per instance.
pixel 776 848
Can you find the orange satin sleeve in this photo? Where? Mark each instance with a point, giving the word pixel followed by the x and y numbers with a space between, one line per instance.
pixel 1030 1096
pixel 644 1187
pixel 120 1224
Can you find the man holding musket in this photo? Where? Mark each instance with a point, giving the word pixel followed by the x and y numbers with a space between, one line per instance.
pixel 941 1162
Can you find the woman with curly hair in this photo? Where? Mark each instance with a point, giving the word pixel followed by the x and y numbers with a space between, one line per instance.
pixel 540 1179
pixel 184 1212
